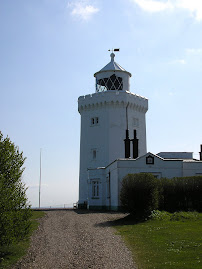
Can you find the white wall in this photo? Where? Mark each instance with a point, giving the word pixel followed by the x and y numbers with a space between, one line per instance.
pixel 122 167
pixel 192 168
pixel 107 137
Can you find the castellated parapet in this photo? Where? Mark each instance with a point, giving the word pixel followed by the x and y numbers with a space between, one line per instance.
pixel 113 98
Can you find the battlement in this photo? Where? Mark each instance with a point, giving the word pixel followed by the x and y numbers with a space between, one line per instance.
pixel 113 98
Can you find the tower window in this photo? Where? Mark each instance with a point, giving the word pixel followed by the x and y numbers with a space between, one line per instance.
pixel 136 122
pixel 94 154
pixel 94 121
pixel 95 189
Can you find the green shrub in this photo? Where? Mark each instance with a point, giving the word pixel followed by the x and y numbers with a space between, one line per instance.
pixel 160 215
pixel 139 194
pixel 176 216
pixel 169 199
pixel 181 194
pixel 14 210
pixel 142 193
pixel 184 216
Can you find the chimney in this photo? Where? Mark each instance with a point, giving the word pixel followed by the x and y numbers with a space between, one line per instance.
pixel 127 145
pixel 135 145
pixel 127 140
pixel 200 154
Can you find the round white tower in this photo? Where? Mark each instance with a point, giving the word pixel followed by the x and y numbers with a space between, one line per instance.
pixel 112 123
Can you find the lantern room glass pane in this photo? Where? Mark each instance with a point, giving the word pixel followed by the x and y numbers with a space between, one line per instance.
pixel 109 84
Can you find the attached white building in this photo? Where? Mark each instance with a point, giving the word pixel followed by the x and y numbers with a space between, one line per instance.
pixel 113 141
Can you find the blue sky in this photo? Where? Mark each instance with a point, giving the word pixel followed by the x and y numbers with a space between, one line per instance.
pixel 49 51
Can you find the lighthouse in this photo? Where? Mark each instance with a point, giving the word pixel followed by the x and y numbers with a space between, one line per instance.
pixel 112 127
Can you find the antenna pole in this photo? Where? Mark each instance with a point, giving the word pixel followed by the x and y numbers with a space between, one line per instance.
pixel 40 182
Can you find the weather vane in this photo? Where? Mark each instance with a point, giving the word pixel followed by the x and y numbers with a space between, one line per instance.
pixel 112 50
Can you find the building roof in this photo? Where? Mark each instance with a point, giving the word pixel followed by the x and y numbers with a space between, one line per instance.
pixel 176 155
pixel 112 66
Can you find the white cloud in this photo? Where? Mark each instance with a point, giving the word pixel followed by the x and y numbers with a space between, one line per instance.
pixel 194 51
pixel 82 10
pixel 153 5
pixel 193 6
pixel 178 61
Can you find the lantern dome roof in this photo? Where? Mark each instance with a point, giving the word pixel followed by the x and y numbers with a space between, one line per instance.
pixel 112 66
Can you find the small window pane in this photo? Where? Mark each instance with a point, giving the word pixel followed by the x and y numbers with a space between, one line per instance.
pixel 111 83
pixel 95 189
pixel 94 154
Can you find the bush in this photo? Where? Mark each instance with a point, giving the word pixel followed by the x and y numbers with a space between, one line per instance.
pixel 181 194
pixel 139 194
pixel 14 209
pixel 160 215
pixel 176 216
pixel 185 216
pixel 143 193
pixel 169 199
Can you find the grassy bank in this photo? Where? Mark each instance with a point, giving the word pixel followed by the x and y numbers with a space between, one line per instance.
pixel 174 241
pixel 9 255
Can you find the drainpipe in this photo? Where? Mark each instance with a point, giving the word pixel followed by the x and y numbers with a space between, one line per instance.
pixel 135 145
pixel 88 182
pixel 200 154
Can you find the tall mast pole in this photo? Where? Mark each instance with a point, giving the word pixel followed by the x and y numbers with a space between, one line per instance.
pixel 40 182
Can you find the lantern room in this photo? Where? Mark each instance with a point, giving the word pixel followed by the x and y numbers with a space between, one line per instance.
pixel 112 77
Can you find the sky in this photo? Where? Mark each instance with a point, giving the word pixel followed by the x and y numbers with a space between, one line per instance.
pixel 49 52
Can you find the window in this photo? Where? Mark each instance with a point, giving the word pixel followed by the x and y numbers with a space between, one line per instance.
pixel 136 122
pixel 109 84
pixel 94 121
pixel 95 189
pixel 150 160
pixel 94 154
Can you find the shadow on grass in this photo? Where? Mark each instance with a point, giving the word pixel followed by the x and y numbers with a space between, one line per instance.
pixel 87 212
pixel 127 220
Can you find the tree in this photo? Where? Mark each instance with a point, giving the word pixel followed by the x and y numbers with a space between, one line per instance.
pixel 140 194
pixel 14 208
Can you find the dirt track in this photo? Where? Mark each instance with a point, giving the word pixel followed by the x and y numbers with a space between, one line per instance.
pixel 82 239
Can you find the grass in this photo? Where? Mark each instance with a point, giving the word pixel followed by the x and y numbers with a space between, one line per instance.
pixel 9 255
pixel 169 241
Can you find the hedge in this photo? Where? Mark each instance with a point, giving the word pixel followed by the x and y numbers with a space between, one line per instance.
pixel 181 194
pixel 141 193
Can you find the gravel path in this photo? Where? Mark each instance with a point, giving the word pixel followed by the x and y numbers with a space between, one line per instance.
pixel 69 239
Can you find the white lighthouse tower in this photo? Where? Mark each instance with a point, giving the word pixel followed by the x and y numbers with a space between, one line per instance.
pixel 112 127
